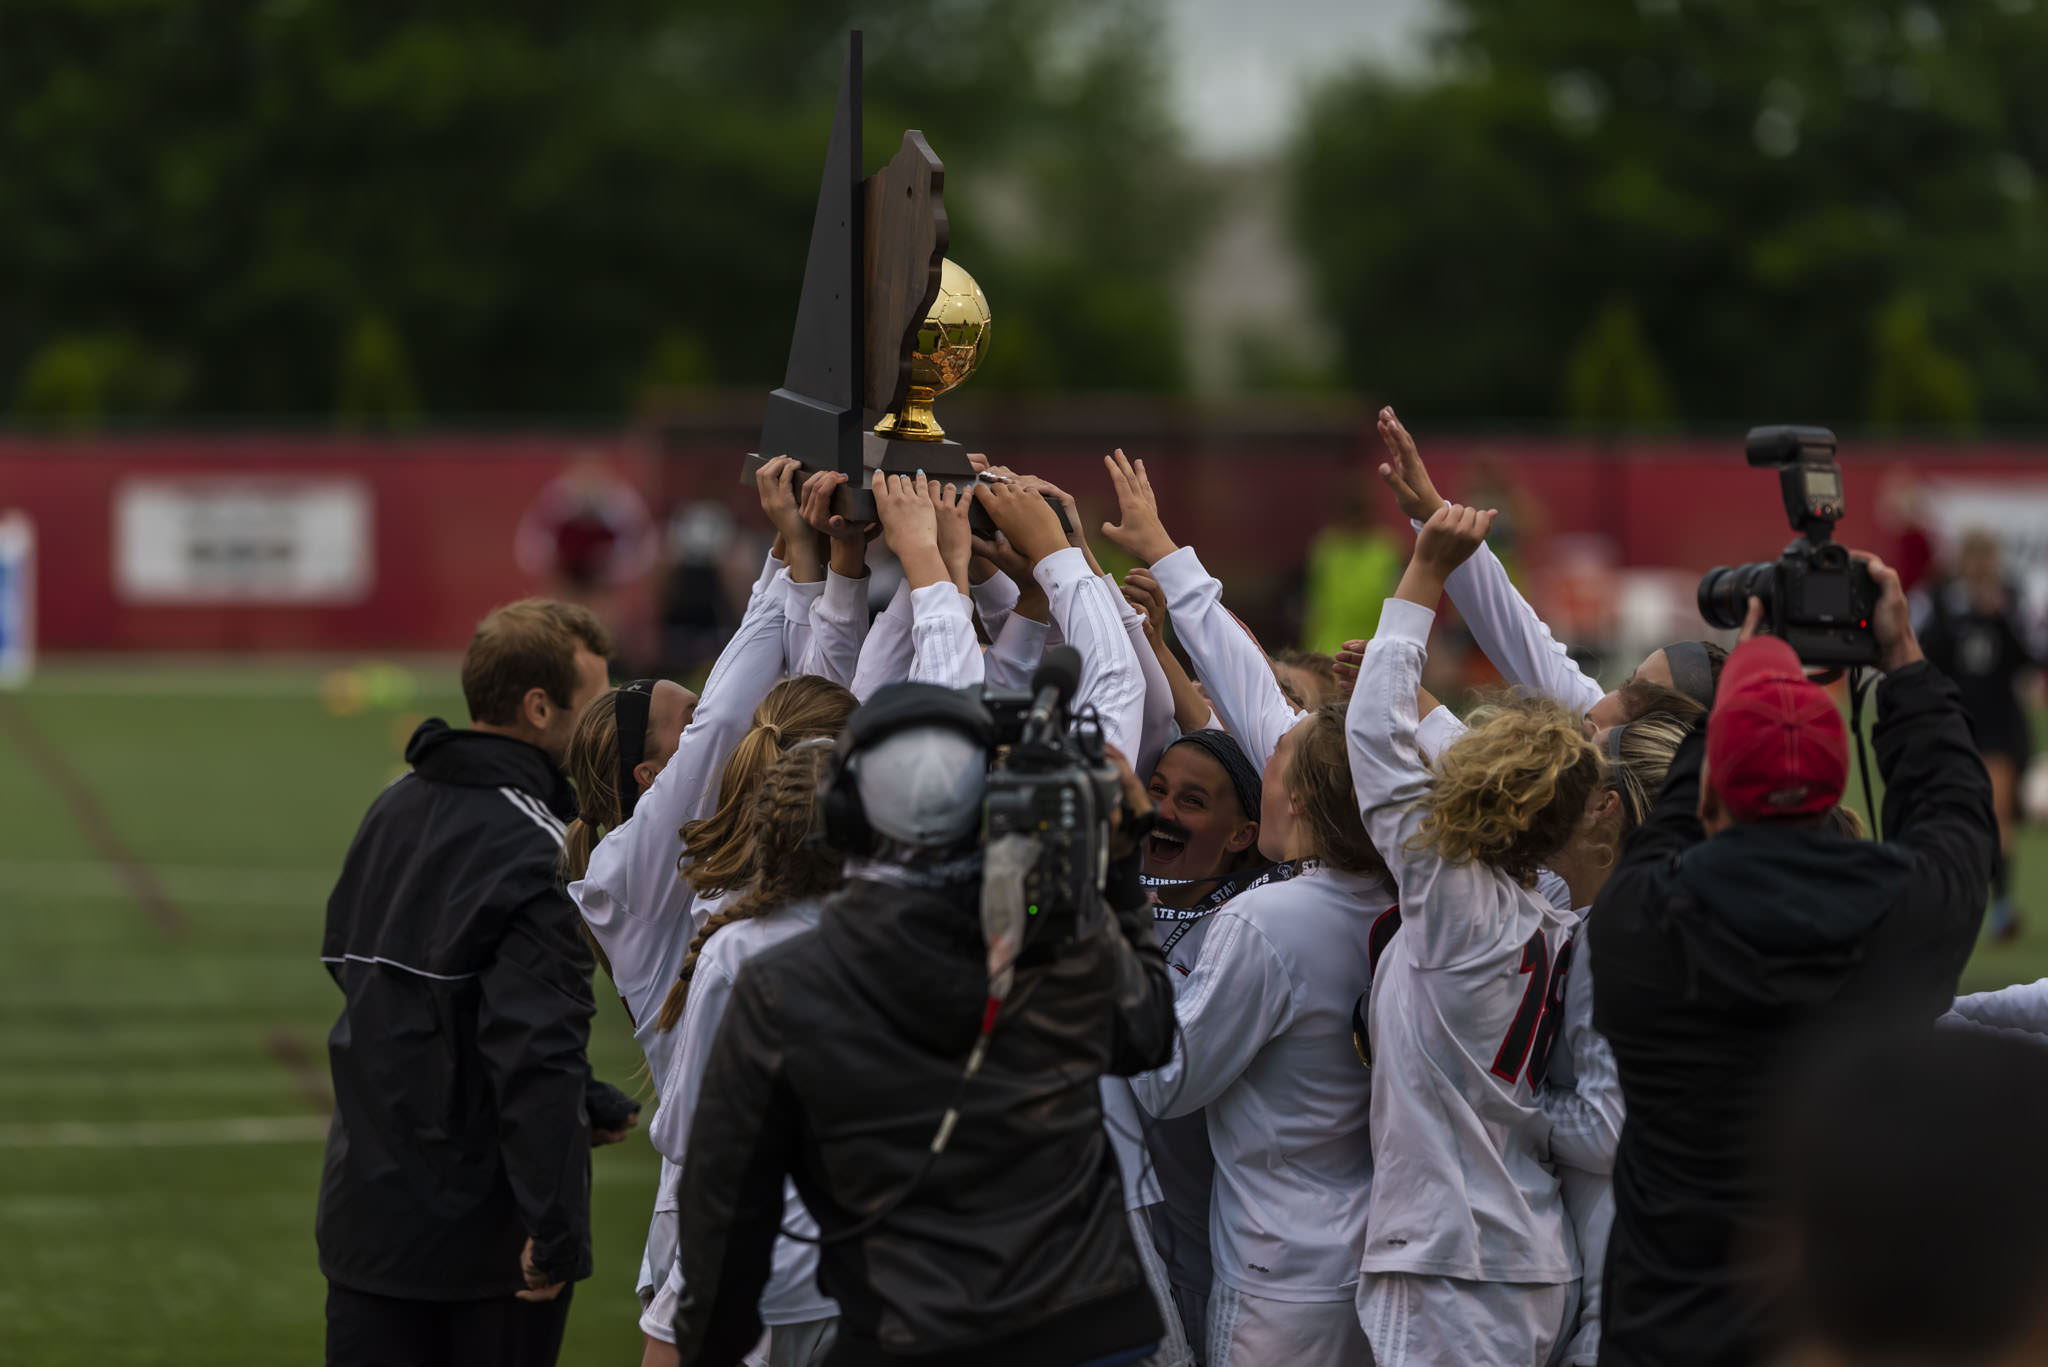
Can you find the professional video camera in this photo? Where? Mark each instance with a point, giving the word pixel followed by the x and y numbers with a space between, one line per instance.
pixel 1816 598
pixel 1051 785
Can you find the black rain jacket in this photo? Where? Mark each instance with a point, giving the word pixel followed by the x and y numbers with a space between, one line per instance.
pixel 835 1061
pixel 1716 958
pixel 460 1073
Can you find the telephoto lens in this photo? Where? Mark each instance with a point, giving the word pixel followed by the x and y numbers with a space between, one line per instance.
pixel 1725 592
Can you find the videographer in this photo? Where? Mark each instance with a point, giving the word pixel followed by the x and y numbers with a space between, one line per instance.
pixel 1738 922
pixel 969 1215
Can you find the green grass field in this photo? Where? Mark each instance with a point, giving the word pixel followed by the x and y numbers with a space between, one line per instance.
pixel 134 1018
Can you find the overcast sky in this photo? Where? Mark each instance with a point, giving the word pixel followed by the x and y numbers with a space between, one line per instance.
pixel 1240 65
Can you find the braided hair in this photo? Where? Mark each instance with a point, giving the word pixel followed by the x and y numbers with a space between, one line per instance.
pixel 786 866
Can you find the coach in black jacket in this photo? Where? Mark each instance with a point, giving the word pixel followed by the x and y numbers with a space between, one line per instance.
pixel 455 1200
pixel 839 1054
pixel 1736 924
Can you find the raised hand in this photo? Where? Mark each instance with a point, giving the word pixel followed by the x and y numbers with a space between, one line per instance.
pixel 1447 541
pixel 1450 536
pixel 1892 623
pixel 1404 471
pixel 1346 667
pixel 848 541
pixel 1001 555
pixel 910 525
pixel 950 505
pixel 1137 532
pixel 1024 518
pixel 776 484
pixel 1142 592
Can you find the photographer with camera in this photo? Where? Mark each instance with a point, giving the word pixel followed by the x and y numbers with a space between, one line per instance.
pixel 1739 921
pixel 924 1064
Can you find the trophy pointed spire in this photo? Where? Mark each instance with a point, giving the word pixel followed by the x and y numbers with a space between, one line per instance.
pixel 818 408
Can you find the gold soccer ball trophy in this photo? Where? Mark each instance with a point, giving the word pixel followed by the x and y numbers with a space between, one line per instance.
pixel 951 343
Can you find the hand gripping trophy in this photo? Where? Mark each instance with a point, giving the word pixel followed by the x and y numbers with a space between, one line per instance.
pixel 885 324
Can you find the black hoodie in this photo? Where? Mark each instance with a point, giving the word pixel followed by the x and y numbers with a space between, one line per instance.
pixel 836 1058
pixel 459 1067
pixel 1715 958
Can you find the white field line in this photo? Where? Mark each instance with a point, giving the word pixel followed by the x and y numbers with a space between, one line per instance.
pixel 228 886
pixel 162 1134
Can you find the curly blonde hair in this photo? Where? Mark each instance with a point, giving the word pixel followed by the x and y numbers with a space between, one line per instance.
pixel 1510 792
pixel 786 866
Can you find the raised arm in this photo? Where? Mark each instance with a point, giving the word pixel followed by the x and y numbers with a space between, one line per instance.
pixel 1503 624
pixel 1191 711
pixel 632 870
pixel 1238 674
pixel 1441 903
pixel 943 647
pixel 1017 640
pixel 885 655
pixel 1082 607
pixel 1937 801
pixel 839 615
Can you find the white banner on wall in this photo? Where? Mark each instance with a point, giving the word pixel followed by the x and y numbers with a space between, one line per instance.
pixel 239 539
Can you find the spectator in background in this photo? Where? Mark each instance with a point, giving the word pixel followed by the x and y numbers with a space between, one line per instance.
pixel 1969 626
pixel 455 1197
pixel 697 610
pixel 1915 1233
pixel 1353 565
pixel 1738 922
pixel 587 538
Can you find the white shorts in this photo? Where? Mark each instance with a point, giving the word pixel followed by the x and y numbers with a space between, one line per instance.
pixel 1589 1200
pixel 1427 1321
pixel 1251 1331
pixel 1173 1348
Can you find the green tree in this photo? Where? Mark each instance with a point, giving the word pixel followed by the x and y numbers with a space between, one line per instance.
pixel 1755 178
pixel 1610 376
pixel 536 195
pixel 1914 383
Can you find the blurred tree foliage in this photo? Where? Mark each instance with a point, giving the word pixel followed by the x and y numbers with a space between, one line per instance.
pixel 1824 212
pixel 324 206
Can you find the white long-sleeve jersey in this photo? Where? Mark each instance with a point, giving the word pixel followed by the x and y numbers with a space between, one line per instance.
pixel 637 905
pixel 791 1295
pixel 1265 1024
pixel 1456 1010
pixel 1086 612
pixel 1229 662
pixel 2020 1011
pixel 943 648
pixel 885 654
pixel 839 627
pixel 1513 637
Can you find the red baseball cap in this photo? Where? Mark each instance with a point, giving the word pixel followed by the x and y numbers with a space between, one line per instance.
pixel 1776 745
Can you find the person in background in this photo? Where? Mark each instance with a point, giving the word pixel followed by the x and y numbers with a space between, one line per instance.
pixel 1968 627
pixel 1352 565
pixel 454 1207
pixel 1738 923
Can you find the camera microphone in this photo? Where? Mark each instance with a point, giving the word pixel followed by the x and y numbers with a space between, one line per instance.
pixel 1057 679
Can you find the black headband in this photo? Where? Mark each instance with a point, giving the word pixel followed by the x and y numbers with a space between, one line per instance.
pixel 1692 672
pixel 635 699
pixel 1223 747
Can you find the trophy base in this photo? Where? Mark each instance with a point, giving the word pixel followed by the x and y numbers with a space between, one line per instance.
pixel 945 461
pixel 855 501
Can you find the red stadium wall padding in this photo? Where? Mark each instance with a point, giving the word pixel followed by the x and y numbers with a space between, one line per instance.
pixel 443 509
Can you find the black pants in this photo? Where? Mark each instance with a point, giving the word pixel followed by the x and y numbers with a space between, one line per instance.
pixel 383 1331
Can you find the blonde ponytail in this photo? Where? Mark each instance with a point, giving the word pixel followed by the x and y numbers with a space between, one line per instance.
pixel 785 866
pixel 715 856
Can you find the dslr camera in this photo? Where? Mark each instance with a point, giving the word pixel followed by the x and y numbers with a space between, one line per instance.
pixel 1053 784
pixel 1816 598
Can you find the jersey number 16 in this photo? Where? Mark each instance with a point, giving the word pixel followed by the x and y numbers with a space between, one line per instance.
pixel 1534 1032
